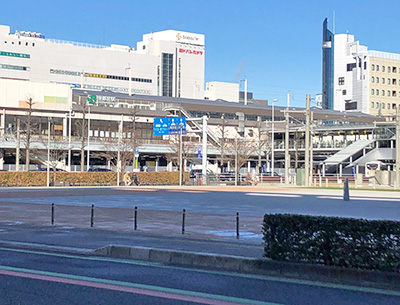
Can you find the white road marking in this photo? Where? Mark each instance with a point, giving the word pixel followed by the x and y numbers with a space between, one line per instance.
pixel 273 195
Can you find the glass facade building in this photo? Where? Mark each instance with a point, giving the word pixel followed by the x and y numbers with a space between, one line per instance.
pixel 327 66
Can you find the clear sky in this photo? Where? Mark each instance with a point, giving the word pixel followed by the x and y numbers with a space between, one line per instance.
pixel 275 45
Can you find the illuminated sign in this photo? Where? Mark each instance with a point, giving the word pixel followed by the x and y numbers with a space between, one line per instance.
pixel 190 51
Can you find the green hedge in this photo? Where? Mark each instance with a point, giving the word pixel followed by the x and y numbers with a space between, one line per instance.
pixel 333 241
pixel 85 178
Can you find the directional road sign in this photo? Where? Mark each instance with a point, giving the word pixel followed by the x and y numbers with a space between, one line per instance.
pixel 169 125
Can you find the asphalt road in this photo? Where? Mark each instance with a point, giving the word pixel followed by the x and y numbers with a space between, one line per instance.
pixel 34 277
pixel 248 201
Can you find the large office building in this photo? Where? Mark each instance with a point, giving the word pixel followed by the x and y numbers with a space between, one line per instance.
pixel 168 63
pixel 357 79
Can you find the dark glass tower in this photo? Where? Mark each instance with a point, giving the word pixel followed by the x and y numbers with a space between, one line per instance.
pixel 327 66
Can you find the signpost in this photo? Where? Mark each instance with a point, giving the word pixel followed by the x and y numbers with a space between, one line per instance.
pixel 171 126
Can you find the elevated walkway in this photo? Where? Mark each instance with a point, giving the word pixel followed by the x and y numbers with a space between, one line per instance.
pixel 195 125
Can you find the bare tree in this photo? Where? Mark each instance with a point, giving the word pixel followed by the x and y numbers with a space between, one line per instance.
pixel 262 142
pixel 189 144
pixel 224 141
pixel 28 129
pixel 83 107
pixel 242 149
pixel 126 145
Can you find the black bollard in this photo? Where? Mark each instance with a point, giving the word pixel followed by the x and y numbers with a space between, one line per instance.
pixel 52 214
pixel 237 225
pixel 346 194
pixel 92 216
pixel 183 221
pixel 135 219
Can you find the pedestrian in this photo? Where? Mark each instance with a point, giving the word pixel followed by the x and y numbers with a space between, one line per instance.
pixel 135 179
pixel 127 179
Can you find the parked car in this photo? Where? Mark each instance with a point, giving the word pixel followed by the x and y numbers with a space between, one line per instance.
pixel 270 174
pixel 44 169
pixel 227 176
pixel 99 169
pixel 195 173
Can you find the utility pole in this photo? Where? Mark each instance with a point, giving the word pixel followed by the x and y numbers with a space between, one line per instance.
pixel 307 144
pixel 311 149
pixel 204 156
pixel 245 92
pixel 287 155
pixel 180 156
pixel 397 181
pixel 17 151
pixel 119 149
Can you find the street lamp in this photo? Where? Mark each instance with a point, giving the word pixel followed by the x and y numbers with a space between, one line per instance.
pixel 48 152
pixel 71 113
pixel 88 140
pixel 273 137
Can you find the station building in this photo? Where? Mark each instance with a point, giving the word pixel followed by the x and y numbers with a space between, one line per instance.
pixel 63 84
pixel 168 63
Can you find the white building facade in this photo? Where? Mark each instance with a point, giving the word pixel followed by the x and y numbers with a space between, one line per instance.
pixel 167 63
pixel 358 79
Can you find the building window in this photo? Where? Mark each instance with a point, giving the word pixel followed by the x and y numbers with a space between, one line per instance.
pixel 383 80
pixel 341 81
pixel 167 62
pixel 388 106
pixel 377 67
pixel 344 92
pixel 372 91
pixel 394 81
pixel 388 93
pixel 372 104
pixel 388 69
pixel 377 80
pixel 388 81
pixel 377 92
pixel 383 92
pixel 383 68
pixel 394 93
pixel 394 69
pixel 372 79
pixel 383 105
pixel 373 69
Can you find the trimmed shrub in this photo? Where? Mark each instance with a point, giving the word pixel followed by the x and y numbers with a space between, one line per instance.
pixel 333 241
pixel 85 178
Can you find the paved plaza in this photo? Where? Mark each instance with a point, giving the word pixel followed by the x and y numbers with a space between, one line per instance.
pixel 210 211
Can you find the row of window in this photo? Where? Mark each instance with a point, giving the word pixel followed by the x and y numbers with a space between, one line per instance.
pixel 383 68
pixel 11 67
pixel 12 54
pixel 389 81
pixel 19 42
pixel 381 105
pixel 382 92
pixel 96 75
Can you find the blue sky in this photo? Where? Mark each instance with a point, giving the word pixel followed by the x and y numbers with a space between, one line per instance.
pixel 276 45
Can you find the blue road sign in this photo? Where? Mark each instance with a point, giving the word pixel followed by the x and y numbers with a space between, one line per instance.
pixel 199 152
pixel 169 126
pixel 136 151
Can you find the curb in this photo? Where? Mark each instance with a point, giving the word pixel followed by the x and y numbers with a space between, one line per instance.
pixel 310 272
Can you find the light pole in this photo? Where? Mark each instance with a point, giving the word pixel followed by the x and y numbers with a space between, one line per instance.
pixel 69 138
pixel 88 140
pixel 130 79
pixel 273 137
pixel 48 153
